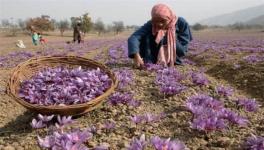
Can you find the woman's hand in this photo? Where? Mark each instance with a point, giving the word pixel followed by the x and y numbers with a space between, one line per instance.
pixel 138 61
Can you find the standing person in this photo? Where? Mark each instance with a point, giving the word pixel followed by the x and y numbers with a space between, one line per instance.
pixel 164 39
pixel 35 37
pixel 42 40
pixel 77 33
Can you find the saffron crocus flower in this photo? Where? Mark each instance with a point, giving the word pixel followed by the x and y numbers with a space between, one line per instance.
pixel 250 105
pixel 64 120
pixel 147 118
pixel 37 124
pixel 92 129
pixel 47 142
pixel 109 125
pixel 254 143
pixel 79 136
pixel 136 119
pixel 224 91
pixel 153 67
pixel 65 140
pixel 138 144
pixel 167 144
pixel 168 81
pixel 125 77
pixel 199 78
pixel 210 114
pixel 45 118
pixel 125 98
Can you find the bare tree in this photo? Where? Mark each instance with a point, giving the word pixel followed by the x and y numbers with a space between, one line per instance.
pixel 5 23
pixel 118 26
pixel 63 25
pixel 99 26
pixel 22 24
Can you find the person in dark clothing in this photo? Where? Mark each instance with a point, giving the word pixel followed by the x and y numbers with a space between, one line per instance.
pixel 163 40
pixel 77 33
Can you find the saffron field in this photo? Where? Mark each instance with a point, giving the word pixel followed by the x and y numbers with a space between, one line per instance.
pixel 213 101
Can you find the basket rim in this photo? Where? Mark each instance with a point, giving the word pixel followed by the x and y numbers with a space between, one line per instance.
pixel 61 107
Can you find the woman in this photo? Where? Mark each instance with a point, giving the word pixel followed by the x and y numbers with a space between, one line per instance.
pixel 163 40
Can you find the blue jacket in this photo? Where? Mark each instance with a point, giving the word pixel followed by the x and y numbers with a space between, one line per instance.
pixel 143 41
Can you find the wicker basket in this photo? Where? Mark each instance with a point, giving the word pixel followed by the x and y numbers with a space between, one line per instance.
pixel 27 69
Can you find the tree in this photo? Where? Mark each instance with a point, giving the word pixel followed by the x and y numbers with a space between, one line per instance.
pixel 13 29
pixel 198 26
pixel 5 23
pixel 238 26
pixel 118 26
pixel 22 24
pixel 63 25
pixel 86 22
pixel 43 23
pixel 99 26
pixel 74 21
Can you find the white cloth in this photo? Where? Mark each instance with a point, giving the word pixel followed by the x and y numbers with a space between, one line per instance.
pixel 20 44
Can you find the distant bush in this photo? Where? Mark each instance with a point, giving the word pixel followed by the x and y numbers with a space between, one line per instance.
pixel 198 26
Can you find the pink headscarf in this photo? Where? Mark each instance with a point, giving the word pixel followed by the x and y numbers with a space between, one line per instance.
pixel 167 55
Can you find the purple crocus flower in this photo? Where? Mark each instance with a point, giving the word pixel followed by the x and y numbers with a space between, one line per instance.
pixel 92 129
pixel 79 136
pixel 167 144
pixel 37 124
pixel 136 119
pixel 47 142
pixel 210 114
pixel 199 78
pixel 250 105
pixel 109 125
pixel 225 91
pixel 44 118
pixel 254 143
pixel 64 120
pixel 125 77
pixel 125 98
pixel 138 144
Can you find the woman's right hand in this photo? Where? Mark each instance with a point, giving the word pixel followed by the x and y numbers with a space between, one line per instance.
pixel 138 61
